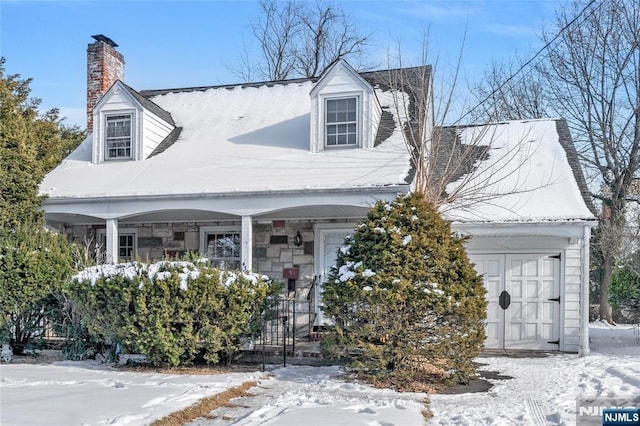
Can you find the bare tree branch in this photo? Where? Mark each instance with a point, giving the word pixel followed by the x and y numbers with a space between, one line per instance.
pixel 300 39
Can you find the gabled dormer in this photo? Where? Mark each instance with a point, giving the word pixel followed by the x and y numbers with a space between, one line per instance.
pixel 345 112
pixel 127 126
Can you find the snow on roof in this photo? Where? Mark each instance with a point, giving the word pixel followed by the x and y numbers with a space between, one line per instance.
pixel 526 176
pixel 256 138
pixel 239 139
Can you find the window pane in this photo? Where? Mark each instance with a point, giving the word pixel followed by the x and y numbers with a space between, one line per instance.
pixel 126 246
pixel 224 250
pixel 341 122
pixel 118 136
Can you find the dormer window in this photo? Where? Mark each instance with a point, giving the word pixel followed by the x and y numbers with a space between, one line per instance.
pixel 345 112
pixel 341 122
pixel 118 140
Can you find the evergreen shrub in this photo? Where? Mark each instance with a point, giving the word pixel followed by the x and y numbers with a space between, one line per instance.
pixel 34 264
pixel 404 299
pixel 624 294
pixel 170 311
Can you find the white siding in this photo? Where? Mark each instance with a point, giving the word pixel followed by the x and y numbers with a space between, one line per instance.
pixel 154 130
pixel 148 129
pixel 115 101
pixel 372 121
pixel 571 299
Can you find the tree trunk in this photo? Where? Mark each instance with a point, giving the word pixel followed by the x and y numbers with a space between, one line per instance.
pixel 607 269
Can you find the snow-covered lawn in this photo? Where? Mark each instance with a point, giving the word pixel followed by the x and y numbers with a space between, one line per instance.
pixel 543 389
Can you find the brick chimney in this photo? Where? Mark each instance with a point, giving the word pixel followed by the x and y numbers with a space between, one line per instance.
pixel 105 65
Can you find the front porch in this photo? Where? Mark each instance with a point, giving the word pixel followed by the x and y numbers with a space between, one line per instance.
pixel 294 245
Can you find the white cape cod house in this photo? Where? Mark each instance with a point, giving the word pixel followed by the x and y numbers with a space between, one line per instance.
pixel 271 176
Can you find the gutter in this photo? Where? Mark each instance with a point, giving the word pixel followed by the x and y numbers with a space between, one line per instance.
pixel 232 194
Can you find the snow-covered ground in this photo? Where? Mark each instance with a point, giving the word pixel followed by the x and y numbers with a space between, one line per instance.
pixel 542 390
pixel 545 390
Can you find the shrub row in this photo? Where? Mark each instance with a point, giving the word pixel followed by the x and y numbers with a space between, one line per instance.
pixel 171 312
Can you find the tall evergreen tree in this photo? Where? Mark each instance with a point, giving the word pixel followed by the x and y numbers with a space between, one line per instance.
pixel 33 262
pixel 404 298
pixel 31 144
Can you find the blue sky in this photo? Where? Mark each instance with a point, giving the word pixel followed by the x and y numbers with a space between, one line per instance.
pixel 169 44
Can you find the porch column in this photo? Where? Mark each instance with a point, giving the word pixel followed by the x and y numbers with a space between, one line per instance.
pixel 112 241
pixel 247 244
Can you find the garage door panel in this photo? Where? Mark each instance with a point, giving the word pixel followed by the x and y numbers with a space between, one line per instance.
pixel 530 330
pixel 538 316
pixel 532 311
pixel 493 332
pixel 515 333
pixel 547 332
pixel 491 267
pixel 532 290
pixel 493 288
pixel 516 268
pixel 548 309
pixel 494 268
pixel 531 320
pixel 531 268
pixel 493 310
pixel 515 310
pixel 515 289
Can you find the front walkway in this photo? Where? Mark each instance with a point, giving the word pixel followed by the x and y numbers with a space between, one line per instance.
pixel 310 396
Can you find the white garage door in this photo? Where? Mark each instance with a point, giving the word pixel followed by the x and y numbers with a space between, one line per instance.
pixel 523 300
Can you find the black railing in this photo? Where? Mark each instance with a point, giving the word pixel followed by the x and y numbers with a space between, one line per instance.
pixel 313 304
pixel 288 321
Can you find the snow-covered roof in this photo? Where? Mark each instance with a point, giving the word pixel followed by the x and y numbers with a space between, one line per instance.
pixel 255 138
pixel 524 171
pixel 236 139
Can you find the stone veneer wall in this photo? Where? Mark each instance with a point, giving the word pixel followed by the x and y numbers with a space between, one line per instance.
pixel 157 240
pixel 272 259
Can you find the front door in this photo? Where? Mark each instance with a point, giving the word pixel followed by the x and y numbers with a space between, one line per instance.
pixel 329 241
pixel 523 296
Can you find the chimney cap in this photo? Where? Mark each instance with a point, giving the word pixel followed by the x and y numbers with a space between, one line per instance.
pixel 105 39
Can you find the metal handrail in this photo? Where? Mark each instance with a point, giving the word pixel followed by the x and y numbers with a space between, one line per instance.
pixel 311 297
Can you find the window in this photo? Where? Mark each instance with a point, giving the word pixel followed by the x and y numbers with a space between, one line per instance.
pixel 127 245
pixel 224 249
pixel 341 122
pixel 118 136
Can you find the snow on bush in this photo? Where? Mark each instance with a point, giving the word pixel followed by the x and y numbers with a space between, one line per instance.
pixel 423 305
pixel 170 311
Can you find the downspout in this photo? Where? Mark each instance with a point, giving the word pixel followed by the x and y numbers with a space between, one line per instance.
pixel 583 348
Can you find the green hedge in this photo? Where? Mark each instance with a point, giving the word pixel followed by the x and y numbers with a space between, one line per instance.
pixel 170 311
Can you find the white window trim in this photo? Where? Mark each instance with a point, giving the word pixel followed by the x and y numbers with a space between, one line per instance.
pixel 204 230
pixel 323 119
pixel 102 233
pixel 103 136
